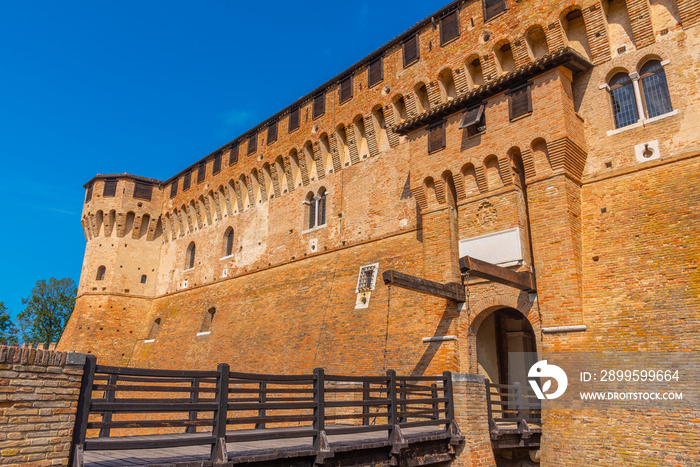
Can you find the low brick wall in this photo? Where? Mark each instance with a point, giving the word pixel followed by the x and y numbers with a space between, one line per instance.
pixel 472 417
pixel 39 392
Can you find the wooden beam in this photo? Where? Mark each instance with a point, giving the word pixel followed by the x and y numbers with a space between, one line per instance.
pixel 524 280
pixel 452 291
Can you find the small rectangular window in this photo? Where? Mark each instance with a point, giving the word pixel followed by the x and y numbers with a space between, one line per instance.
pixel 173 188
pixel 143 190
pixel 88 195
pixel 252 143
pixel 233 155
pixel 519 101
pixel 217 164
pixel 474 120
pixel 493 8
pixel 201 172
pixel 293 119
pixel 272 132
pixel 375 71
pixel 110 188
pixel 449 28
pixel 436 137
pixel 319 105
pixel 367 278
pixel 411 50
pixel 186 180
pixel 346 89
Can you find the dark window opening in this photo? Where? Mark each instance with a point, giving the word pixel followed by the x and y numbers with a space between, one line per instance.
pixel 88 195
pixel 411 50
pixel 294 119
pixel 272 132
pixel 233 155
pixel 143 279
pixel 449 28
pixel 217 164
pixel 143 190
pixel 110 188
pixel 493 8
pixel 201 172
pixel 375 71
pixel 474 120
pixel 101 273
pixel 519 102
pixel 191 253
pixel 436 137
pixel 173 188
pixel 228 238
pixel 319 105
pixel 346 89
pixel 186 180
pixel 252 143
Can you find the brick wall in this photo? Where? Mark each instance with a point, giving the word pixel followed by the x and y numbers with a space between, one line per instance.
pixel 39 392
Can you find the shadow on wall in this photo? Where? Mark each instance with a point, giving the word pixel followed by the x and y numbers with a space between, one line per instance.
pixel 448 315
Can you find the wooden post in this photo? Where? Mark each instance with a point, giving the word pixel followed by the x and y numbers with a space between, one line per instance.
pixel 194 398
pixel 449 405
pixel 262 398
pixel 218 449
pixel 365 398
pixel 436 406
pixel 83 412
pixel 391 395
pixel 403 396
pixel 109 397
pixel 320 409
pixel 518 401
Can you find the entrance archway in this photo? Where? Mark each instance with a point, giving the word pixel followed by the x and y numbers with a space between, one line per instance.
pixel 505 331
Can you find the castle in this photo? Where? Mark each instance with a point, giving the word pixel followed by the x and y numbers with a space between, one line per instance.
pixel 554 137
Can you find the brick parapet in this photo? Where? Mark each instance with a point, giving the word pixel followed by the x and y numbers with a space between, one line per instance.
pixel 39 392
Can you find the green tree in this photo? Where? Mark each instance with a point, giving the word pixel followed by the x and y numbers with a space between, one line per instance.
pixel 47 310
pixel 8 331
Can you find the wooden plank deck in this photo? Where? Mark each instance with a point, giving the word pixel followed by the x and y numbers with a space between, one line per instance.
pixel 246 451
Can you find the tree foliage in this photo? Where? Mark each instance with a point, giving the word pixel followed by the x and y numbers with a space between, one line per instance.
pixel 8 331
pixel 47 310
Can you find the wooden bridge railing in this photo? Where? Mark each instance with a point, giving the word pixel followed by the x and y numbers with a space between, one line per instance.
pixel 216 407
pixel 512 409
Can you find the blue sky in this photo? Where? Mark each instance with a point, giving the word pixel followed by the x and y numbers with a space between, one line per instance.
pixel 147 88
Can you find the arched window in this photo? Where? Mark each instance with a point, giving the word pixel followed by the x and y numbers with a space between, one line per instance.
pixel 316 209
pixel 208 320
pixel 623 100
pixel 191 252
pixel 655 87
pixel 154 329
pixel 228 242
pixel 101 273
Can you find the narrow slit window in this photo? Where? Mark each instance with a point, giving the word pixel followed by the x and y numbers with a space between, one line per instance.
pixel 474 120
pixel 436 137
pixel 217 164
pixel 88 195
pixel 272 132
pixel 375 71
pixel 449 28
pixel 191 254
pixel 519 102
pixel 144 278
pixel 110 188
pixel 319 105
pixel 624 102
pixel 293 119
pixel 201 172
pixel 346 89
pixel 655 88
pixel 252 143
pixel 411 51
pixel 228 242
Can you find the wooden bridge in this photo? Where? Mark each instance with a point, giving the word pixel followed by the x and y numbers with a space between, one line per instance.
pixel 130 416
pixel 514 416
